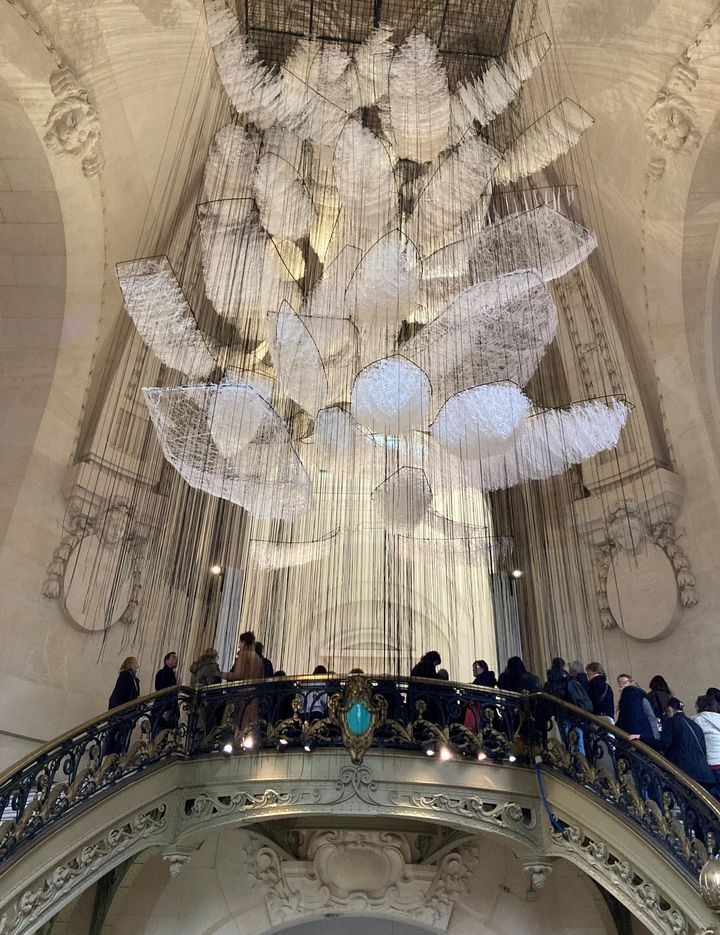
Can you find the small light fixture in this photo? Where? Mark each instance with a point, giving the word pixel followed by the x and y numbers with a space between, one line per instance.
pixel 429 748
pixel 309 745
pixel 248 742
pixel 512 758
pixel 445 754
pixel 227 749
pixel 516 573
pixel 216 569
pixel 283 742
pixel 482 755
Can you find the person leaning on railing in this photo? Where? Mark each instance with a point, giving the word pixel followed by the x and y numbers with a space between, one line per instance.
pixel 708 720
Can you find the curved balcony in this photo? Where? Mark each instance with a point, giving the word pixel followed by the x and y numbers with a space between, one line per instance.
pixel 455 735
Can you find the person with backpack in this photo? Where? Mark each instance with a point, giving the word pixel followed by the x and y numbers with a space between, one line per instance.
pixel 568 688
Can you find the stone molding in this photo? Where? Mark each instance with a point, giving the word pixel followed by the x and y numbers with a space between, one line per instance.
pixel 629 883
pixel 35 904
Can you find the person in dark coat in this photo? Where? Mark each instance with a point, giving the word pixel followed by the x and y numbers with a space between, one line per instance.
pixel 601 695
pixel 683 743
pixel 425 669
pixel 576 670
pixel 127 688
pixel 516 677
pixel 267 665
pixel 659 695
pixel 483 676
pixel 635 715
pixel 166 712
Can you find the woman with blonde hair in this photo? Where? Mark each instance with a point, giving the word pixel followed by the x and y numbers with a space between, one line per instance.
pixel 127 688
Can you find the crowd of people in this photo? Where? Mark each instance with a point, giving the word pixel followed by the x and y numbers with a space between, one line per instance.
pixel 655 717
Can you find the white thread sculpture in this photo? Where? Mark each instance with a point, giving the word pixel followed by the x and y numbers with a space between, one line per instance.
pixel 397 317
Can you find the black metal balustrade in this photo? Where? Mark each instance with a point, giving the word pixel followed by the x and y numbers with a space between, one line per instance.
pixel 434 718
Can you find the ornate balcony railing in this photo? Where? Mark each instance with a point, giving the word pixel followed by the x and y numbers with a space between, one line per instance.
pixel 428 717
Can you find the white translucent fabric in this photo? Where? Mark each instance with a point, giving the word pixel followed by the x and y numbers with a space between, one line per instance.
pixel 445 273
pixel 417 119
pixel 485 96
pixel 230 164
pixel 391 397
pixel 366 183
pixel 372 63
pixel 454 188
pixel 272 555
pixel 341 447
pixel 403 500
pixel 385 287
pixel 550 443
pixel 252 87
pixel 243 273
pixel 262 383
pixel 540 239
pixel 286 209
pixel 337 343
pixel 551 136
pixel 164 320
pixel 493 332
pixel 265 475
pixel 297 360
pixel 327 298
pixel 221 22
pixel 481 421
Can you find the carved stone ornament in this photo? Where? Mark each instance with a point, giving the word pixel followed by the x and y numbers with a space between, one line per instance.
pixel 73 125
pixel 631 531
pixel 627 882
pixel 95 570
pixel 350 871
pixel 68 876
pixel 539 871
pixel 357 787
pixel 670 121
pixel 176 858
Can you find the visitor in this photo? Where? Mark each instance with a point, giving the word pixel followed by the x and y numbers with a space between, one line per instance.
pixel 635 714
pixel 708 719
pixel 516 677
pixel 576 670
pixel 683 742
pixel 568 689
pixel 356 671
pixel 483 675
pixel 603 702
pixel 427 667
pixel 268 669
pixel 601 695
pixel 315 702
pixel 283 707
pixel 248 667
pixel 166 712
pixel 622 680
pixel 127 688
pixel 659 695
pixel 714 693
pixel 204 673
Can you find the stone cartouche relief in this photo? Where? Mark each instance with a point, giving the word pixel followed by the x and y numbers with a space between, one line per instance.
pixel 634 537
pixel 670 121
pixel 95 572
pixel 350 871
pixel 72 127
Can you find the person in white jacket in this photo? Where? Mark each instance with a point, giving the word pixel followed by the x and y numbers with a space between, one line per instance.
pixel 708 719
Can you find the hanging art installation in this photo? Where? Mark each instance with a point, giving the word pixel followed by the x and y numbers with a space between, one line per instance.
pixel 386 321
